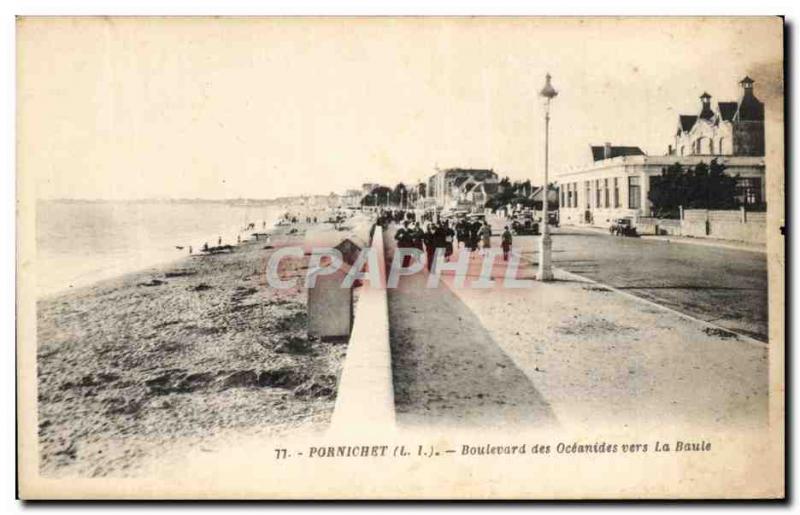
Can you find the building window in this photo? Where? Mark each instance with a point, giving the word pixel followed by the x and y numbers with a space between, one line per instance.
pixel 605 193
pixel 683 149
pixel 748 190
pixel 711 146
pixel 597 193
pixel 588 194
pixel 634 193
pixel 722 146
pixel 563 195
pixel 575 198
pixel 616 192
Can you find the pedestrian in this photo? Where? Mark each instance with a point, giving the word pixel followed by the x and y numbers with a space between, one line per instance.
pixel 190 249
pixel 430 245
pixel 219 241
pixel 404 237
pixel 474 235
pixel 486 236
pixel 506 243
pixel 448 234
pixel 441 237
pixel 418 237
pixel 461 233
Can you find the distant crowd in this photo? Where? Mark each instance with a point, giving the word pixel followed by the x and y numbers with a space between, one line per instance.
pixel 427 235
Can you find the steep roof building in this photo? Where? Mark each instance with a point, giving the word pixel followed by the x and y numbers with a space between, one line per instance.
pixel 732 129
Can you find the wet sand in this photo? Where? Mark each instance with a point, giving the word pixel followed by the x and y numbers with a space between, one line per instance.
pixel 134 366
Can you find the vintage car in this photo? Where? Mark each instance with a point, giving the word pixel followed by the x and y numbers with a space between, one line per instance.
pixel 479 217
pixel 623 227
pixel 523 225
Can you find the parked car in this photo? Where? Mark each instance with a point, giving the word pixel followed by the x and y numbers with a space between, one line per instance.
pixel 623 227
pixel 523 225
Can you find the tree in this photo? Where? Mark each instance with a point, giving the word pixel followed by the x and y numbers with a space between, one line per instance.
pixel 705 186
pixel 399 194
pixel 379 196
pixel 517 192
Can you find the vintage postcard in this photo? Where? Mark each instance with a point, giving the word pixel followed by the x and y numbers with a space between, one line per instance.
pixel 400 258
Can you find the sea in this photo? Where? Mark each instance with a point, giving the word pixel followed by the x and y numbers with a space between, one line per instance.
pixel 82 242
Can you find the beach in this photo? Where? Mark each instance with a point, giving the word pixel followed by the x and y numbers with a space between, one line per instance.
pixel 170 356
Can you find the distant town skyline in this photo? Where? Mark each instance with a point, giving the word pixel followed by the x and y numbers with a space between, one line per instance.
pixel 267 108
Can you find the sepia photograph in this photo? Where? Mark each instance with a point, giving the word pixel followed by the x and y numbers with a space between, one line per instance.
pixel 455 257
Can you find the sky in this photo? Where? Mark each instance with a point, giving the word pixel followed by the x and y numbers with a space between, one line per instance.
pixel 124 108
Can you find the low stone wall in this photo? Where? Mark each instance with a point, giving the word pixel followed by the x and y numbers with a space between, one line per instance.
pixel 659 226
pixel 365 397
pixel 734 225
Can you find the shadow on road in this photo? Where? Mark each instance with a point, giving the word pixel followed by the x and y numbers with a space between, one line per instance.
pixel 447 369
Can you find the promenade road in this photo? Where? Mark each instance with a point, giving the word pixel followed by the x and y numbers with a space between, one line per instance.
pixel 447 368
pixel 724 286
pixel 567 354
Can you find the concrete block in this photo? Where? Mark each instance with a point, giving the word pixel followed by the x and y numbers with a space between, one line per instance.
pixel 330 307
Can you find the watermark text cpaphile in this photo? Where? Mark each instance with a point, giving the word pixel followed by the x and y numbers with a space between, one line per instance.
pixel 326 261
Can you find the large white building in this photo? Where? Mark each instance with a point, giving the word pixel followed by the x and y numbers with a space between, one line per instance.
pixel 456 188
pixel 616 182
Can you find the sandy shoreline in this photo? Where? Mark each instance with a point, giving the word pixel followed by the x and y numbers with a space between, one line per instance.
pixel 132 366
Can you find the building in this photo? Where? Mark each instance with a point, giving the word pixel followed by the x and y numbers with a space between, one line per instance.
pixel 732 129
pixel 367 187
pixel 462 188
pixel 552 198
pixel 615 182
pixel 351 198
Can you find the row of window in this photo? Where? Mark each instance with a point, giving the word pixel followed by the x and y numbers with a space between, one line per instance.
pixel 606 193
pixel 704 146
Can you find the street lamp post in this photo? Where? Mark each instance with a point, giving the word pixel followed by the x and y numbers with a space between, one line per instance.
pixel 545 243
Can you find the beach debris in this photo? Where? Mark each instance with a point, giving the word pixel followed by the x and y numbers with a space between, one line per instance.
pixel 319 387
pixel 200 287
pixel 162 404
pixel 293 320
pixel 241 292
pixel 178 381
pixel 90 380
pixel 219 249
pixel 180 273
pixel 123 406
pixel 294 345
pixel 153 282
pixel 70 451
pixel 284 377
pixel 241 378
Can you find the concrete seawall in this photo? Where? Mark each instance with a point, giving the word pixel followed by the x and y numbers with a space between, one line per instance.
pixel 365 398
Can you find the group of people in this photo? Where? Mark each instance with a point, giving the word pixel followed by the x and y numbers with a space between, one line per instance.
pixel 434 236
pixel 471 235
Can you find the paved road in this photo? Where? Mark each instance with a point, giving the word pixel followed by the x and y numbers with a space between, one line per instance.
pixel 447 369
pixel 725 286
